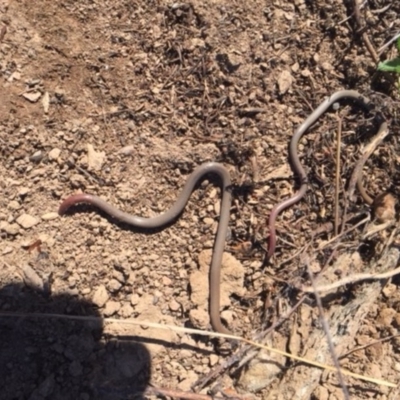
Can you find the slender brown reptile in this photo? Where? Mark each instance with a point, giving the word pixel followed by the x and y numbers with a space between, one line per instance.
pixel 295 160
pixel 170 215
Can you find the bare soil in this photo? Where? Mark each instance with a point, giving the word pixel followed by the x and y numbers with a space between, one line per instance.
pixel 123 99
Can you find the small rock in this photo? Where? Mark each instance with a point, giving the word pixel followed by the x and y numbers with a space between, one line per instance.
pixel 27 221
pixel 54 154
pixel 389 290
pixel 38 172
pixel 33 97
pixel 119 276
pixel 396 367
pixel 49 216
pixel 199 287
pixel 11 229
pixel 114 286
pixel 263 369
pixel 208 221
pixel 23 191
pixel 14 76
pixel 78 181
pixel 95 159
pixel 7 250
pixel 386 316
pixel 186 384
pixel 227 315
pixel 100 296
pixel 166 281
pixel 127 150
pixel 32 279
pixel 14 205
pixel 285 81
pixel 174 305
pixel 134 299
pixel 46 102
pixel 199 318
pixel 321 393
pixel 111 308
pixel 126 311
pixel 37 156
pixel 384 207
pixel 213 359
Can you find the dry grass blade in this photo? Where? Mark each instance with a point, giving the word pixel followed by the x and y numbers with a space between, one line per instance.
pixel 337 186
pixel 327 243
pixel 350 280
pixel 198 332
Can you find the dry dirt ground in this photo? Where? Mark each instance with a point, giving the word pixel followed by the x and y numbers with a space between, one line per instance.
pixel 123 99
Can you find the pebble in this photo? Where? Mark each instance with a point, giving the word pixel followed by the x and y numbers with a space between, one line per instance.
pixel 11 229
pixel 227 315
pixel 119 276
pixel 384 207
pixel 126 311
pixel 127 150
pixel 100 296
pixel 33 97
pixel 77 181
pixel 37 156
pixel 134 299
pixel 208 221
pixel 114 286
pixel 7 250
pixel 27 221
pixel 174 305
pixel 14 205
pixel 186 384
pixel 95 158
pixel 166 281
pixel 111 308
pixel 23 191
pixel 199 318
pixel 49 216
pixel 213 359
pixel 54 154
pixel 396 367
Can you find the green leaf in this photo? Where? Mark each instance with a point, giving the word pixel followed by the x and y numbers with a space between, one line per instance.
pixel 390 65
pixel 398 44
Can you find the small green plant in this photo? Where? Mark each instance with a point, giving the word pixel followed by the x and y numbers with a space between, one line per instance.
pixel 391 65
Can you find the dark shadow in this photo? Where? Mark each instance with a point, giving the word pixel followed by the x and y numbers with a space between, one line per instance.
pixel 60 359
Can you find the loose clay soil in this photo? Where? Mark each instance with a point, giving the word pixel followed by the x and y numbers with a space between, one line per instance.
pixel 123 99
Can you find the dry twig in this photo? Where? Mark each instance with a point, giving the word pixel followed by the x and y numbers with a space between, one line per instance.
pixel 366 40
pixel 350 280
pixel 337 186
